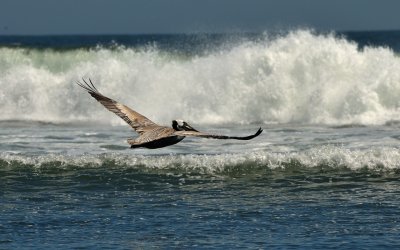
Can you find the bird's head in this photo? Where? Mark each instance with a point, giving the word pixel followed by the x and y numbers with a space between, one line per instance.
pixel 180 125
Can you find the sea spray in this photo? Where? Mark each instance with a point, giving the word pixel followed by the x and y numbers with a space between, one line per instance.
pixel 300 77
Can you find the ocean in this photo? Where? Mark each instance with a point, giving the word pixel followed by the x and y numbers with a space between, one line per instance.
pixel 323 174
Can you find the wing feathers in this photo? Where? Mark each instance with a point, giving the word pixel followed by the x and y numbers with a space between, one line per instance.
pixel 205 135
pixel 137 121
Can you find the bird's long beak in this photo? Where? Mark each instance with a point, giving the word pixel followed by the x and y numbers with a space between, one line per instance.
pixel 187 127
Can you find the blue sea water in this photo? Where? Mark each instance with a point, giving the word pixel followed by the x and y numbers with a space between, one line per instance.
pixel 323 174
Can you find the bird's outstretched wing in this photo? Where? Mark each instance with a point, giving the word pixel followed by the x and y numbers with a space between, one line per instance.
pixel 205 135
pixel 137 121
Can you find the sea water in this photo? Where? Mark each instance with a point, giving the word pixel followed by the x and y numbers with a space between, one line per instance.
pixel 323 174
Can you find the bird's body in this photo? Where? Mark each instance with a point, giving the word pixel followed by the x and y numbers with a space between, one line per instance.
pixel 157 137
pixel 152 135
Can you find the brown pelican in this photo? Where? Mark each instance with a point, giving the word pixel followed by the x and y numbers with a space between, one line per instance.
pixel 152 135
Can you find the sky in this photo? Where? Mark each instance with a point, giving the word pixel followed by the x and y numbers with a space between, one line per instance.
pixel 57 17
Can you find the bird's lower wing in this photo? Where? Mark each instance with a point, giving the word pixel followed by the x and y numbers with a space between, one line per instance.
pixel 205 135
pixel 137 121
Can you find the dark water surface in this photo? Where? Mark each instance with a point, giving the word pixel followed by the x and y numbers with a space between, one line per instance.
pixel 119 208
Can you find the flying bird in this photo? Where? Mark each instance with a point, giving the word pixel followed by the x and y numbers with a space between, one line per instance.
pixel 152 135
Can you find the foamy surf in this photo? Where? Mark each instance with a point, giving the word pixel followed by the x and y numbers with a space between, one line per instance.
pixel 300 77
pixel 327 158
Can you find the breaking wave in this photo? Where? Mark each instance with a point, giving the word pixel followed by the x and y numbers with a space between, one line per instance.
pixel 300 77
pixel 326 158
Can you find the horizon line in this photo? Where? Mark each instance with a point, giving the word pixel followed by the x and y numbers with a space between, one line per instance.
pixel 199 33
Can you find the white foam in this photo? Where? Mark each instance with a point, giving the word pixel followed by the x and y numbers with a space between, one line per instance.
pixel 297 78
pixel 375 159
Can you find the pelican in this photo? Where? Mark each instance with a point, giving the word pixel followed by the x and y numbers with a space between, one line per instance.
pixel 152 135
